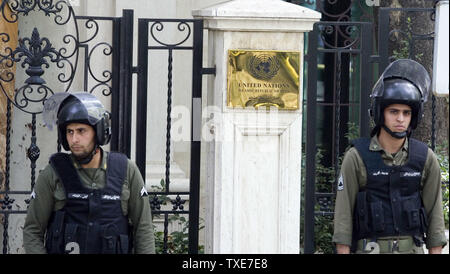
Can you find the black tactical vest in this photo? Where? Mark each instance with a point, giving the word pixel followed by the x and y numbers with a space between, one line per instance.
pixel 91 221
pixel 390 204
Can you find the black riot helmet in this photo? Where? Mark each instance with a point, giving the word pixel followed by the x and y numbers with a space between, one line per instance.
pixel 403 82
pixel 65 108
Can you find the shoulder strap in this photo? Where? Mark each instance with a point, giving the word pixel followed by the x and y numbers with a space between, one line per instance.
pixel 371 159
pixel 360 142
pixel 116 171
pixel 64 168
pixel 417 154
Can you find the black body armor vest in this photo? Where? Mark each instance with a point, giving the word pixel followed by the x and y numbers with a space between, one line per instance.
pixel 92 221
pixel 390 204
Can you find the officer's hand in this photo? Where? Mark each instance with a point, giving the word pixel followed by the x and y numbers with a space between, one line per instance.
pixel 342 249
pixel 435 250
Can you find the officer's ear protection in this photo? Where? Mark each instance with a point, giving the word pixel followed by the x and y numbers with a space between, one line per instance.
pixel 375 112
pixel 103 129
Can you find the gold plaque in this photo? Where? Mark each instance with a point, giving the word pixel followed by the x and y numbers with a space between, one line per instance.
pixel 263 78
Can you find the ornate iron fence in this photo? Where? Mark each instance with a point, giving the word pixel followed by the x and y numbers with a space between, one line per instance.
pixel 348 49
pixel 70 63
pixel 320 193
pixel 52 66
pixel 190 39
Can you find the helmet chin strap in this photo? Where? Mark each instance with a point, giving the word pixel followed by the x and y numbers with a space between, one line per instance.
pixel 398 135
pixel 88 158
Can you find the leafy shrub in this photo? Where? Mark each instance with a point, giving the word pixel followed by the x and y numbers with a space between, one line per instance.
pixel 177 241
pixel 442 156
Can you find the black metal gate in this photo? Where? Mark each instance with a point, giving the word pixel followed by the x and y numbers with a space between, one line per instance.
pixel 73 63
pixel 345 54
pixel 191 31
pixel 357 47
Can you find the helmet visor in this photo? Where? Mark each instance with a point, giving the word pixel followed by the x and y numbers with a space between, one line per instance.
pixel 94 107
pixel 408 70
pixel 51 108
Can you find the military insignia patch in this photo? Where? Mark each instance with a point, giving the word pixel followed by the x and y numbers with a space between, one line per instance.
pixel 340 185
pixel 33 195
pixel 144 192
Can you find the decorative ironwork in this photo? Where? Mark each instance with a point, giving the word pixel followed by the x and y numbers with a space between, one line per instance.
pixel 71 56
pixel 7 175
pixel 27 94
pixel 26 6
pixel 35 55
pixel 169 118
pixel 35 52
pixel 341 39
pixel 337 37
pixel 166 233
pixel 150 32
pixel 337 116
pixel 326 203
pixel 107 74
pixel 433 122
pixel 157 27
pixel 348 33
pixel 178 203
pixel 33 151
pixel 155 203
pixel 182 26
pixel 5 233
pixel 31 53
pixel 8 144
pixel 7 202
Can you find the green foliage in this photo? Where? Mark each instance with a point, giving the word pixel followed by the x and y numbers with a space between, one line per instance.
pixel 324 175
pixel 353 131
pixel 442 156
pixel 177 241
pixel 323 224
pixel 325 178
pixel 403 52
pixel 323 232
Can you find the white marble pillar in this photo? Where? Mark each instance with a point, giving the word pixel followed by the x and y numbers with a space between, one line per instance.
pixel 254 157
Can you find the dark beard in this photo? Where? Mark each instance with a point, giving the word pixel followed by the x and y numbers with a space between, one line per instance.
pixel 85 157
pixel 81 156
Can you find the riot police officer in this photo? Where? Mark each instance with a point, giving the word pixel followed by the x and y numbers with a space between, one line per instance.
pixel 88 201
pixel 389 197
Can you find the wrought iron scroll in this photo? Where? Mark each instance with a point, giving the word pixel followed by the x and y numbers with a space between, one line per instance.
pixel 335 13
pixel 187 34
pixel 36 54
pixel 342 39
pixel 33 52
